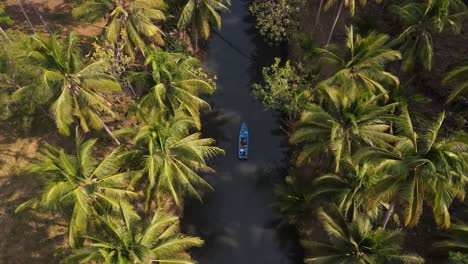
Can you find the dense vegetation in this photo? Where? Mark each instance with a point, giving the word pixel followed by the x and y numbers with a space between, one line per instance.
pixel 371 153
pixel 121 197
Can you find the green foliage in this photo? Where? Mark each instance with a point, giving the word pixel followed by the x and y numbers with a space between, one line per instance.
pixel 341 126
pixel 71 90
pixel 458 76
pixel 282 88
pixel 5 19
pixel 78 181
pixel 133 21
pixel 422 167
pixel 360 64
pixel 357 242
pixel 170 156
pixel 122 238
pixel 419 22
pixel 197 16
pixel 175 81
pixel 276 19
pixel 457 258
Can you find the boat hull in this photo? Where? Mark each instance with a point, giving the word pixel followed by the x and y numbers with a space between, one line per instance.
pixel 243 153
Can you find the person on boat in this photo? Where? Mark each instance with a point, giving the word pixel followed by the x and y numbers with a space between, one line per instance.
pixel 243 142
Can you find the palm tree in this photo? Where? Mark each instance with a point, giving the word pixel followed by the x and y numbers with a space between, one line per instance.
pixel 131 20
pixel 350 4
pixel 72 90
pixel 459 75
pixel 293 200
pixel 169 155
pixel 197 16
pixel 420 21
pixel 340 127
pixel 349 189
pixel 77 180
pixel 361 64
pixel 357 242
pixel 122 239
pixel 174 83
pixel 455 239
pixel 421 167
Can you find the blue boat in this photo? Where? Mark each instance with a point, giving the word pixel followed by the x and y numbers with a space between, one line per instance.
pixel 243 142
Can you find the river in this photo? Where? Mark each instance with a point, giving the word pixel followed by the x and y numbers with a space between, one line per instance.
pixel 236 219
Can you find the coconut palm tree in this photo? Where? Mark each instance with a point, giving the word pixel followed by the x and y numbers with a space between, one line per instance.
pixel 361 63
pixel 198 16
pixel 421 167
pixel 357 242
pixel 72 90
pixel 174 83
pixel 169 155
pixel 420 21
pixel 350 4
pixel 123 239
pixel 77 180
pixel 131 20
pixel 458 75
pixel 348 189
pixel 455 239
pixel 345 123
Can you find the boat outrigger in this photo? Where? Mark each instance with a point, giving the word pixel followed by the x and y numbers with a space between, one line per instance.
pixel 243 142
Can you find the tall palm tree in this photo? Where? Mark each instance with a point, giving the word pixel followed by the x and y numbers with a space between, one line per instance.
pixel 357 242
pixel 72 90
pixel 349 189
pixel 421 167
pixel 131 20
pixel 170 156
pixel 344 124
pixel 77 180
pixel 198 16
pixel 350 4
pixel 455 239
pixel 420 21
pixel 123 239
pixel 361 63
pixel 458 75
pixel 174 83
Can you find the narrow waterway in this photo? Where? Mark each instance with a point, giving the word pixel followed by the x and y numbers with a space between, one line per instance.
pixel 236 220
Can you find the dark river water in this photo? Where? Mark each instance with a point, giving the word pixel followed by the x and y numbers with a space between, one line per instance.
pixel 236 219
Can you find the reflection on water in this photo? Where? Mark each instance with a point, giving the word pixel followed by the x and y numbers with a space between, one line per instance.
pixel 236 220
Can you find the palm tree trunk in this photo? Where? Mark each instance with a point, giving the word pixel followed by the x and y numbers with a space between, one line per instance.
pixel 335 22
pixel 317 17
pixel 106 128
pixel 196 42
pixel 40 17
pixel 5 35
pixel 18 2
pixel 388 214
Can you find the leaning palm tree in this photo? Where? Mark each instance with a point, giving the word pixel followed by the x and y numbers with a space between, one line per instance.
pixel 455 239
pixel 357 242
pixel 198 16
pixel 420 21
pixel 174 83
pixel 361 63
pixel 421 167
pixel 342 126
pixel 123 239
pixel 131 20
pixel 169 155
pixel 350 189
pixel 350 4
pixel 458 75
pixel 72 90
pixel 77 180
